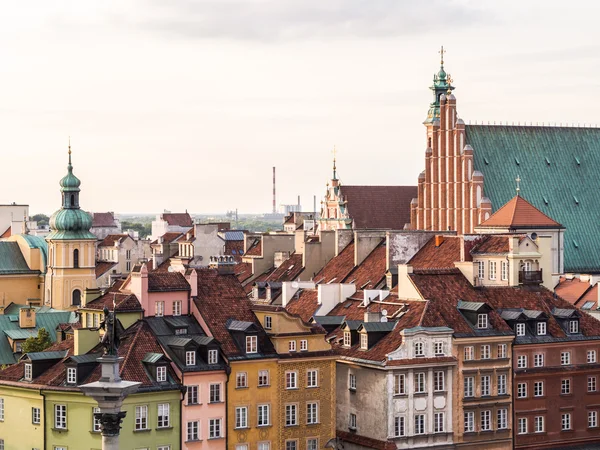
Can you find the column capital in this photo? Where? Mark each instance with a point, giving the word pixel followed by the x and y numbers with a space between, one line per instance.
pixel 111 422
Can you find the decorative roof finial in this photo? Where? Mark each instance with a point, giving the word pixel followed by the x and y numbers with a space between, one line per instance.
pixel 334 167
pixel 518 180
pixel 69 151
pixel 441 52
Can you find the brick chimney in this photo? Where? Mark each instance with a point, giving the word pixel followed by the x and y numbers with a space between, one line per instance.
pixel 27 317
pixel 224 264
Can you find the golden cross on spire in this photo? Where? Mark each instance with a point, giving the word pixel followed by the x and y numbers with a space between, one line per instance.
pixel 518 180
pixel 441 52
pixel 69 145
pixel 334 151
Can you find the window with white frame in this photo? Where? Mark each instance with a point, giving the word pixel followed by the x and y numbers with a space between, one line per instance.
pixel 214 428
pixel 71 375
pixel 492 270
pixel 469 386
pixel 438 348
pixel 573 326
pixel 251 344
pixel 438 422
pixel 291 415
pixel 28 372
pixel 352 421
pixel 347 339
pixel 565 358
pixel 264 415
pixel 292 346
pixel 241 417
pixel 520 329
pixel 36 416
pixel 565 386
pixel 420 382
pixel 521 390
pixel 312 444
pixel 352 382
pixel 364 341
pixel 502 350
pixel 193 430
pixel 161 373
pixel 177 308
pixel 312 413
pixel 190 358
pixel 522 427
pixel 469 353
pixel 291 445
pixel 215 393
pixel 538 388
pixel 213 356
pixel 263 377
pixel 504 271
pixel 486 351
pixel 541 328
pixel 268 322
pixel 399 384
pixel 291 380
pixel 469 419
pixel 566 421
pixel 192 395
pixel 481 270
pixel 591 383
pixel 164 415
pixel 399 426
pixel 502 418
pixel 521 361
pixel 312 378
pixel 60 417
pixel 419 349
pixel 303 345
pixel 419 423
pixel 438 381
pixel 591 356
pixel 141 417
pixel 486 420
pixel 160 309
pixel 241 380
pixel 241 446
pixel 502 384
pixel 96 423
pixel 592 419
pixel 538 360
pixel 486 385
pixel 538 424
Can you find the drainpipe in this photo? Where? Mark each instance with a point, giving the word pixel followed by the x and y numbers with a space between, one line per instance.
pixel 43 413
pixel 181 428
pixel 228 372
pixel 512 392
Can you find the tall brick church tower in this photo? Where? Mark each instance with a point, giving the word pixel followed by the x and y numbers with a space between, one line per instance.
pixel 450 191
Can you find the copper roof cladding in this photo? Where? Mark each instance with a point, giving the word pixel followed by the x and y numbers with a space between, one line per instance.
pixel 109 241
pixel 123 302
pixel 572 290
pixel 519 213
pixel 102 267
pixel 442 256
pixel 104 220
pixel 221 299
pixel 178 219
pixel 371 272
pixel 491 243
pixel 167 282
pixel 338 268
pixel 386 207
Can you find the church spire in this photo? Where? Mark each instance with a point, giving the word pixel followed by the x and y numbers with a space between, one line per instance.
pixel 334 167
pixel 441 86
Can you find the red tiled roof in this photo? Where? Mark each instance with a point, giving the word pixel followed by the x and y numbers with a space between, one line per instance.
pixel 102 267
pixel 364 441
pixel 169 237
pixel 167 282
pixel 235 249
pixel 243 271
pixel 519 213
pixel 123 302
pixel 255 248
pixel 338 268
pixel 105 220
pixel 379 206
pixel 178 219
pixel 491 243
pixel 590 296
pixel 572 290
pixel 304 304
pixel 288 270
pixel 7 233
pixel 109 241
pixel 442 257
pixel 371 272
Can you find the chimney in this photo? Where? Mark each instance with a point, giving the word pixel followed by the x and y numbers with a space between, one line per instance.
pixel 372 317
pixel 274 197
pixel 298 203
pixel 27 317
pixel 224 264
pixel 438 240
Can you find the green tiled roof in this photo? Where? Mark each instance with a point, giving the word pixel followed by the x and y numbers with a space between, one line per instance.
pixel 12 261
pixel 558 170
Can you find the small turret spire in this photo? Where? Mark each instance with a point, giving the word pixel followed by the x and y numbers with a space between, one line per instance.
pixel 334 167
pixel 441 52
pixel 70 166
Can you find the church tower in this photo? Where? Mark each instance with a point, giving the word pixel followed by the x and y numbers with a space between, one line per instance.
pixel 71 249
pixel 334 212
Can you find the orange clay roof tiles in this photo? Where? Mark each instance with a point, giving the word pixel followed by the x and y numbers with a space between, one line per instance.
pixel 571 290
pixel 371 272
pixel 437 257
pixel 338 268
pixel 178 219
pixel 519 213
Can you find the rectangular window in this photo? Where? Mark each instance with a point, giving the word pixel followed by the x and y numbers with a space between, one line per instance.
pixel 522 425
pixel 522 390
pixel 292 346
pixel 565 386
pixel 291 380
pixel 36 416
pixel 251 344
pixel 399 384
pixel 469 353
pixel 60 417
pixel 538 360
pixel 141 417
pixel 192 395
pixel 347 339
pixel 241 417
pixel 213 356
pixel 161 373
pixel 312 444
pixel 96 423
pixel 566 421
pixel 263 377
pixel 485 385
pixel 352 421
pixel 538 389
pixel 592 384
pixel 591 356
pixel 420 382
pixel 485 352
pixel 27 374
pixel 481 270
pixel 190 358
pixel 352 382
pixel 193 430
pixel 538 424
pixel 241 380
pixel 502 384
pixel 504 269
pixel 469 384
pixel 438 348
pixel 486 420
pixel 177 308
pixel 312 413
pixel 501 351
pixel 521 361
pixel 312 378
pixel 419 349
pixel 438 381
pixel 303 345
pixel 565 358
pixel 160 309
pixel 164 415
pixel 399 426
pixel 541 328
pixel 502 416
pixel 214 428
pixel 71 375
pixel 520 329
pixel 364 341
pixel 419 423
pixel 438 422
pixel 264 415
pixel 592 419
pixel 492 270
pixel 268 322
pixel 573 326
pixel 291 415
pixel 291 445
pixel 469 421
pixel 215 392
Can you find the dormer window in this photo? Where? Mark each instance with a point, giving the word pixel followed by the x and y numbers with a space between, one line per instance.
pixel 72 375
pixel 268 322
pixel 292 346
pixel 213 356
pixel 482 321
pixel 180 331
pixel 364 341
pixel 419 350
pixel 541 328
pixel 573 326
pixel 190 358
pixel 161 373
pixel 251 344
pixel 520 329
pixel 347 339
pixel 438 348
pixel 28 372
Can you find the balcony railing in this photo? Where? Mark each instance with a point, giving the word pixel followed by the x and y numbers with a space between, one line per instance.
pixel 530 277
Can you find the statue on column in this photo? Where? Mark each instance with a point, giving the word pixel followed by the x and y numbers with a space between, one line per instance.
pixel 110 341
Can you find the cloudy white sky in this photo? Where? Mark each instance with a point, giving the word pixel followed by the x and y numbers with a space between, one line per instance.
pixel 188 104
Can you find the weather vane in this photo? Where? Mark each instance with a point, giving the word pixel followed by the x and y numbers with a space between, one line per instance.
pixel 441 52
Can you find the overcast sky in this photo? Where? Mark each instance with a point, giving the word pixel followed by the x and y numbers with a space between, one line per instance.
pixel 184 104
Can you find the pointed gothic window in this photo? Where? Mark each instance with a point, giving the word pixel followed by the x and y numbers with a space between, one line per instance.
pixel 76 258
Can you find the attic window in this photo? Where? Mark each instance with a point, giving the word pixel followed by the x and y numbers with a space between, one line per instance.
pixel 179 331
pixel 364 341
pixel 161 373
pixel 190 358
pixel 482 321
pixel 71 375
pixel 347 339
pixel 541 328
pixel 251 344
pixel 573 326
pixel 419 350
pixel 520 329
pixel 588 305
pixel 28 372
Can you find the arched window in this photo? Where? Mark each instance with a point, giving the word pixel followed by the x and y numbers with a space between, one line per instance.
pixel 76 258
pixel 76 298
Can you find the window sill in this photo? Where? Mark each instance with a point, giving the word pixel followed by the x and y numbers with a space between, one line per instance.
pixel 264 426
pixel 313 424
pixel 293 425
pixel 60 430
pixel 95 432
pixel 291 388
pixel 419 394
pixel 241 387
pixel 352 429
pixel 193 440
pixel 215 438
pixel 241 428
pixel 214 403
pixel 352 389
pixel 263 386
pixel 193 404
pixel 163 428
pixel 145 430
